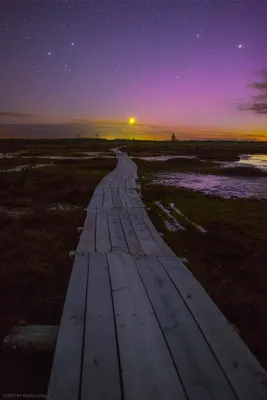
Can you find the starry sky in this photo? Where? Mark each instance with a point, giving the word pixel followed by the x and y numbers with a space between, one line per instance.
pixel 183 64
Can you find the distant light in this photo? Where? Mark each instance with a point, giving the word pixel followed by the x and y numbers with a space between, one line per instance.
pixel 132 121
pixel 240 46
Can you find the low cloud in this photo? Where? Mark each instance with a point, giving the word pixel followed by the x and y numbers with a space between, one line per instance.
pixel 11 114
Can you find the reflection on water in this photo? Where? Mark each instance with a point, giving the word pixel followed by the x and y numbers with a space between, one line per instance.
pixel 24 167
pixel 163 158
pixel 257 160
pixel 84 156
pixel 216 185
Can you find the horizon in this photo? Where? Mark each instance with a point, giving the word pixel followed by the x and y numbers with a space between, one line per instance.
pixel 121 130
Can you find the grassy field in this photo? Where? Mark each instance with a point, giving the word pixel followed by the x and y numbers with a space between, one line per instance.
pixel 40 210
pixel 208 150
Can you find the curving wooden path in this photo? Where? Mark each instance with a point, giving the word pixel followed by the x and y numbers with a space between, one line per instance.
pixel 136 324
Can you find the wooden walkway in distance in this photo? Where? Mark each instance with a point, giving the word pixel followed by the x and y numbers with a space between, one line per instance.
pixel 136 324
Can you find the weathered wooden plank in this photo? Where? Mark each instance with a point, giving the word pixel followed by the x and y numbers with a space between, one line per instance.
pixel 147 242
pixel 198 368
pixel 100 375
pixel 155 234
pixel 135 199
pixel 96 201
pixel 65 375
pixel 245 374
pixel 102 232
pixel 147 368
pixel 108 202
pixel 129 232
pixel 125 200
pixel 116 198
pixel 87 238
pixel 117 238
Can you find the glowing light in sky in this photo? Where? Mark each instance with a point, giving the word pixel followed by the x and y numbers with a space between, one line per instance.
pixel 132 121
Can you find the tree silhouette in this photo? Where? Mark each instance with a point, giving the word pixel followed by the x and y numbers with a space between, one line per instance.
pixel 173 137
pixel 259 102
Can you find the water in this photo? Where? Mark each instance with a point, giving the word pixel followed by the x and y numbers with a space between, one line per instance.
pixel 247 160
pixel 172 225
pixel 227 187
pixel 163 158
pixel 84 156
pixel 24 167
pixel 257 160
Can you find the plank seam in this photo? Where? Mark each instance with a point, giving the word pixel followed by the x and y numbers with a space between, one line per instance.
pixel 84 328
pixel 116 332
pixel 161 330
pixel 199 327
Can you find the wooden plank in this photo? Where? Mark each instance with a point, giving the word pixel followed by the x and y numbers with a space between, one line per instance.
pixel 155 234
pixel 65 375
pixel 87 238
pixel 102 232
pixel 117 238
pixel 129 232
pixel 198 368
pixel 108 202
pixel 135 199
pixel 147 242
pixel 147 368
pixel 116 198
pixel 125 200
pixel 246 375
pixel 96 201
pixel 100 376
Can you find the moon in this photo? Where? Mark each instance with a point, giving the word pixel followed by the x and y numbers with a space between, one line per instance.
pixel 132 121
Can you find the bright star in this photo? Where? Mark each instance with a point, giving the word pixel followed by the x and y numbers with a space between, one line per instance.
pixel 72 44
pixel 49 53
pixel 240 46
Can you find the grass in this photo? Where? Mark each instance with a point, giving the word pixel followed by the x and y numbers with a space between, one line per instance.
pixel 208 150
pixel 196 166
pixel 34 248
pixel 229 260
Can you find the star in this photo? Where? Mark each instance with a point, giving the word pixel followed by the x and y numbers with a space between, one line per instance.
pixel 240 46
pixel 72 44
pixel 198 35
pixel 49 53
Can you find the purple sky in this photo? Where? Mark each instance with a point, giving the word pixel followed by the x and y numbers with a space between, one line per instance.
pixel 168 62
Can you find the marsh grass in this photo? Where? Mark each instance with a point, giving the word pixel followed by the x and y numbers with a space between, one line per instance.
pixel 229 260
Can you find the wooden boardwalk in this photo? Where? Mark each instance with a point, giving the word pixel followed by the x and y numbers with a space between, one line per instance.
pixel 136 324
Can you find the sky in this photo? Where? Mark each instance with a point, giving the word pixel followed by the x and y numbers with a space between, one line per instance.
pixel 180 64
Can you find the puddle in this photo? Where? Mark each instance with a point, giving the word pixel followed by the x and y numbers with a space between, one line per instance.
pixel 226 187
pixel 15 212
pixel 63 207
pixel 257 160
pixel 84 156
pixel 163 158
pixel 24 167
pixel 172 225
pixel 9 155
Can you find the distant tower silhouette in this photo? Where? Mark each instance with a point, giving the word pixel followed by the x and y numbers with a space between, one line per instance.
pixel 173 137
